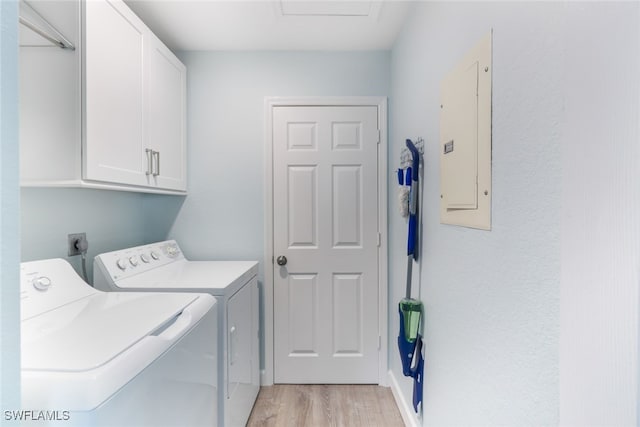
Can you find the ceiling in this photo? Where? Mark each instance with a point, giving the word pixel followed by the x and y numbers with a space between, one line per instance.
pixel 334 25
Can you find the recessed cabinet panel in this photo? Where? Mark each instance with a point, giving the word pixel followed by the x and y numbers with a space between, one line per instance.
pixel 465 140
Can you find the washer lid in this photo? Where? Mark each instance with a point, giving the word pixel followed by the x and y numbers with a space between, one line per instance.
pixel 90 332
pixel 218 278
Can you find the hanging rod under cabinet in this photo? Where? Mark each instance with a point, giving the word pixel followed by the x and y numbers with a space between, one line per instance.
pixel 57 38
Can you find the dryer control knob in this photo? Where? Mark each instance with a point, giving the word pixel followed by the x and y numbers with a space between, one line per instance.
pixel 41 283
pixel 155 255
pixel 144 258
pixel 133 261
pixel 122 264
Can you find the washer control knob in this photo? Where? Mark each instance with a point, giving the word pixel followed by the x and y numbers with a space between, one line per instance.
pixel 122 264
pixel 133 261
pixel 155 255
pixel 144 258
pixel 41 283
pixel 172 251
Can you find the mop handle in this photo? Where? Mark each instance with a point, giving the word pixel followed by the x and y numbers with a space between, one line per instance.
pixel 413 200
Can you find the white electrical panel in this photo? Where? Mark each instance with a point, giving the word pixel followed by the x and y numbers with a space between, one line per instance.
pixel 465 140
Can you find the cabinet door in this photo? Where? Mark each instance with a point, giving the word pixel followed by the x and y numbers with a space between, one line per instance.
pixel 166 116
pixel 113 98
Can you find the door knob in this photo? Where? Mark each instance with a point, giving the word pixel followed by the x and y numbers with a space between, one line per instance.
pixel 281 260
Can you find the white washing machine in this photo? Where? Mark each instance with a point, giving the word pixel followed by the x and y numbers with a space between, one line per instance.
pixel 92 358
pixel 162 267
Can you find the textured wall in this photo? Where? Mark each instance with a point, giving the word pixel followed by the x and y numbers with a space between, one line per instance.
pixel 223 215
pixel 491 298
pixel 9 211
pixel 111 219
pixel 535 322
pixel 600 217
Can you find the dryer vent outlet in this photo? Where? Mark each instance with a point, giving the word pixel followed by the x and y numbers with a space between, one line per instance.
pixel 77 243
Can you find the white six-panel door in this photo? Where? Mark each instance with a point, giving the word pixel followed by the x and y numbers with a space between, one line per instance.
pixel 325 219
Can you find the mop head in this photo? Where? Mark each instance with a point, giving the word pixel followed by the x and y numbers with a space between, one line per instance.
pixel 405 154
pixel 403 200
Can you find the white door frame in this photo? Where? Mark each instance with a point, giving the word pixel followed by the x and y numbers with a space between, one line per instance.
pixel 269 104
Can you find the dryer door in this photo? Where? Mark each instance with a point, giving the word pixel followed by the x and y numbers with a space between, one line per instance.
pixel 243 362
pixel 239 339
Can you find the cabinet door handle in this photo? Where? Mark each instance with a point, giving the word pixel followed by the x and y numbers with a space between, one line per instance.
pixel 157 156
pixel 149 153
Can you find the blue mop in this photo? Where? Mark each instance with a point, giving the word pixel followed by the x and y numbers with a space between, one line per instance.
pixel 410 309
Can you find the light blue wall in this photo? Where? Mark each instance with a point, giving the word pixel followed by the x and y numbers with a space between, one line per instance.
pixel 491 298
pixel 507 330
pixel 223 218
pixel 564 104
pixel 111 219
pixel 600 284
pixel 9 208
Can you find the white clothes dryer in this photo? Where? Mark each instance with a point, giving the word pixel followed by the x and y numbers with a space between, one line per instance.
pixel 162 267
pixel 92 358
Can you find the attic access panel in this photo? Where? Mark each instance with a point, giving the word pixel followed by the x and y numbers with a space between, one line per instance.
pixel 329 8
pixel 465 140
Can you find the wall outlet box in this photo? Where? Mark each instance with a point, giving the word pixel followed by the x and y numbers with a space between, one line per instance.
pixel 72 239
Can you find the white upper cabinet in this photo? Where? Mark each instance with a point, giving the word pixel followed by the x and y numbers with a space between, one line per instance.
pixel 114 75
pixel 132 106
pixel 165 136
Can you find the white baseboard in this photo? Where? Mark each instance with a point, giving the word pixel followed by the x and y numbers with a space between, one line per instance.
pixel 265 379
pixel 406 408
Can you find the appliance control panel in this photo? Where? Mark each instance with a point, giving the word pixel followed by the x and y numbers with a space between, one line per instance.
pixel 131 261
pixel 49 284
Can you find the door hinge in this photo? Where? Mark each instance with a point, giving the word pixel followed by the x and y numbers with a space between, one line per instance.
pixel 379 342
pixel 379 239
pixel 379 134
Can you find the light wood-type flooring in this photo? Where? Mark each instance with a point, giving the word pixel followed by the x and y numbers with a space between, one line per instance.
pixel 284 405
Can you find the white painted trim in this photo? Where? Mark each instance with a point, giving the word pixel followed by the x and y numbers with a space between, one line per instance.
pixel 267 375
pixel 406 409
pixel 80 183
pixel 383 289
pixel 381 103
